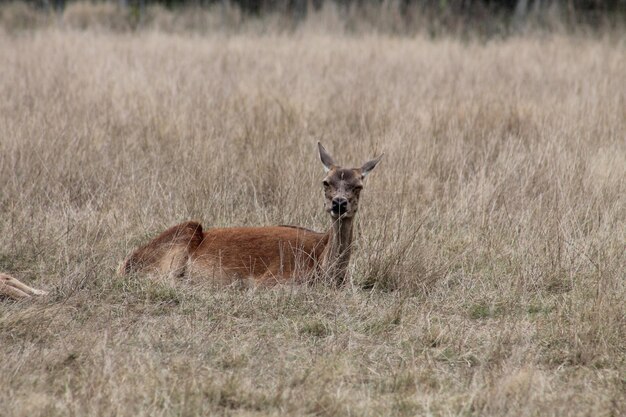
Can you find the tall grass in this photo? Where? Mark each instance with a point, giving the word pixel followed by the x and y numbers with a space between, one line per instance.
pixel 491 237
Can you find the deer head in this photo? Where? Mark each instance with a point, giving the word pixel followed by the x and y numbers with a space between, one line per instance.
pixel 342 186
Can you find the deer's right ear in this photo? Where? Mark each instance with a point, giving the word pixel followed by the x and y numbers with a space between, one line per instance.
pixel 327 160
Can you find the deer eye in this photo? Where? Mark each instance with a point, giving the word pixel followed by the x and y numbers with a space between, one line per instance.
pixel 358 188
pixel 326 184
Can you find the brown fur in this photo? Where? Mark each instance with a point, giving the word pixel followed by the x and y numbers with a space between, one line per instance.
pixel 264 254
pixel 169 252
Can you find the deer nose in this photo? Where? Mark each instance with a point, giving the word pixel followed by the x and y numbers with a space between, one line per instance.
pixel 340 205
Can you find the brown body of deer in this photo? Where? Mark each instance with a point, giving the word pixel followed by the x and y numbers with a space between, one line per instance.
pixel 264 255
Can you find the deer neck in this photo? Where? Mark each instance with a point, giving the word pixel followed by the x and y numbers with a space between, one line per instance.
pixel 338 250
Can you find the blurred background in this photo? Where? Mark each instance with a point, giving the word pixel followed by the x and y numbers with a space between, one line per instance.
pixel 432 17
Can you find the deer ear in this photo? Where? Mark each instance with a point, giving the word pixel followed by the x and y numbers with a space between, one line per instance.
pixel 370 165
pixel 325 157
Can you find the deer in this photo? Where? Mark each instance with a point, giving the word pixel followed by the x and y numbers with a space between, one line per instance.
pixel 263 255
pixel 13 288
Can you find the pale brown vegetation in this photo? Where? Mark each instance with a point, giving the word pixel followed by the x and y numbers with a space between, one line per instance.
pixel 492 241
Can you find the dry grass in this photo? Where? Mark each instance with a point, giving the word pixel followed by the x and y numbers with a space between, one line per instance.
pixel 492 235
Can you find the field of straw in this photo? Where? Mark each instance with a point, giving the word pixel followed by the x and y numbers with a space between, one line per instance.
pixel 488 277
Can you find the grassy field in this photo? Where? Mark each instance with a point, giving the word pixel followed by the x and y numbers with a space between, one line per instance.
pixel 489 273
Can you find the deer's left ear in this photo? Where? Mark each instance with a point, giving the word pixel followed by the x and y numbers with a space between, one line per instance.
pixel 370 165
